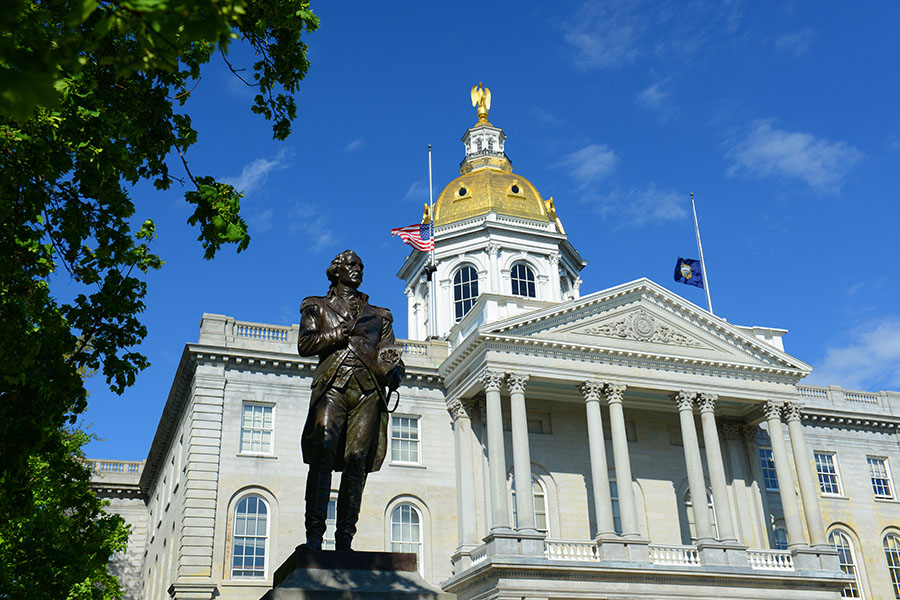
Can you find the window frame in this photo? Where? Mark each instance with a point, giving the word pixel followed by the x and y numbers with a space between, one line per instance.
pixel 517 282
pixel 271 429
pixel 465 304
pixel 888 478
pixel 688 504
pixel 765 468
pixel 854 587
pixel 420 545
pixel 892 557
pixel 821 475
pixel 419 446
pixel 264 572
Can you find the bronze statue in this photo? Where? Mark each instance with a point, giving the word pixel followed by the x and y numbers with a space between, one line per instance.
pixel 346 429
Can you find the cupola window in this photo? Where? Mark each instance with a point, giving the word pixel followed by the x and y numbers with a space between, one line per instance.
pixel 465 291
pixel 522 278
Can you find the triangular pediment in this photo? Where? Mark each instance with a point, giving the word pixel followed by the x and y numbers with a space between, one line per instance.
pixel 643 318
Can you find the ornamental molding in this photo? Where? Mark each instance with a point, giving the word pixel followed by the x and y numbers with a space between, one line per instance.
pixel 640 325
pixel 457 409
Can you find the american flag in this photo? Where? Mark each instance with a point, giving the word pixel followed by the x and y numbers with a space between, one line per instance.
pixel 420 236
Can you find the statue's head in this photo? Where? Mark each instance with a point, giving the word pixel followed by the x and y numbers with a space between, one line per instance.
pixel 346 268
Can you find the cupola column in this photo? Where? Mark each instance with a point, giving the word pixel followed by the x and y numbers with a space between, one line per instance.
pixel 521 453
pixel 494 254
pixel 809 490
pixel 496 451
pixel 599 466
pixel 615 392
pixel 772 411
pixel 696 482
pixel 716 468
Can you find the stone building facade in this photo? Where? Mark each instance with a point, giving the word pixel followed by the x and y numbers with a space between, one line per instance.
pixel 514 376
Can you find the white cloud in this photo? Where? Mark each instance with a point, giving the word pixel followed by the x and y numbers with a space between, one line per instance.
pixel 893 142
pixel 308 221
pixel 639 207
pixel 591 163
pixel 606 35
pixel 797 43
pixel 871 361
pixel 354 145
pixel 766 151
pixel 417 191
pixel 658 98
pixel 255 173
pixel 261 221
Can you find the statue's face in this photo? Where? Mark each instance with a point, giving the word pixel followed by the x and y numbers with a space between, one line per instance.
pixel 350 272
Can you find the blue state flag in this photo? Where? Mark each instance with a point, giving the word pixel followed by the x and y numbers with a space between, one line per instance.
pixel 689 271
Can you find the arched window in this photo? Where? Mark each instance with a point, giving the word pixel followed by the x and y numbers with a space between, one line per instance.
pixel 779 535
pixel 540 503
pixel 522 278
pixel 406 531
pixel 465 291
pixel 892 554
pixel 250 537
pixel 840 541
pixel 689 510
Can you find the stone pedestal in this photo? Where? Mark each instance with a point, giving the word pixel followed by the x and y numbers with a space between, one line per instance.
pixel 328 575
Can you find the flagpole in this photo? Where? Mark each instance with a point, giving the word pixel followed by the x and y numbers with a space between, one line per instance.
pixel 433 320
pixel 702 262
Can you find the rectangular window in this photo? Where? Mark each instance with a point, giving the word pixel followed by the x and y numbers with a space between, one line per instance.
pixel 826 469
pixel 768 469
pixel 256 429
pixel 405 439
pixel 614 496
pixel 881 477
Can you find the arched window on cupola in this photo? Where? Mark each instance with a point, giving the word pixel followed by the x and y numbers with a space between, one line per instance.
pixel 465 291
pixel 522 279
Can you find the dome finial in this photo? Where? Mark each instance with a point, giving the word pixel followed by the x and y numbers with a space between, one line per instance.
pixel 481 97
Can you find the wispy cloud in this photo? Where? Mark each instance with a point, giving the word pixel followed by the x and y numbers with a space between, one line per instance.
pixel 893 142
pixel 308 220
pixel 870 361
pixel 354 145
pixel 615 33
pixel 797 43
pixel 254 174
pixel 261 221
pixel 767 151
pixel 658 98
pixel 590 164
pixel 544 116
pixel 638 207
pixel 417 191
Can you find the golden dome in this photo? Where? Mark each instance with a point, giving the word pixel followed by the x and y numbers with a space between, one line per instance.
pixel 489 189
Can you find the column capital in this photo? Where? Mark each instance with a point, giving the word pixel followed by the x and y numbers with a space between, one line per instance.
pixel 592 390
pixel 615 392
pixel 732 430
pixel 459 409
pixel 684 400
pixel 772 409
pixel 516 382
pixel 554 259
pixel 707 402
pixel 493 249
pixel 793 411
pixel 409 292
pixel 491 380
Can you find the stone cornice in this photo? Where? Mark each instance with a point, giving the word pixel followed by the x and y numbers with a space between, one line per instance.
pixel 849 421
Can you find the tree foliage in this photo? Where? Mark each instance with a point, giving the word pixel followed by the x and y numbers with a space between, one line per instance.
pixel 93 100
pixel 58 544
pixel 93 97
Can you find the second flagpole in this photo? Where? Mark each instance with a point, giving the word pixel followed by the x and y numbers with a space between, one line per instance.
pixel 699 249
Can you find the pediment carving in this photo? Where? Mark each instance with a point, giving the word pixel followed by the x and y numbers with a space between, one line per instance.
pixel 640 325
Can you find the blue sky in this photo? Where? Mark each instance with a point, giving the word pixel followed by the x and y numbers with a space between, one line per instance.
pixel 782 118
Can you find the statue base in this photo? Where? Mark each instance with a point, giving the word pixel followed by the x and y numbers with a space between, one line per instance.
pixel 330 575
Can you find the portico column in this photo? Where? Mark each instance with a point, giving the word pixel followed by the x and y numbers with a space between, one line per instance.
pixel 614 395
pixel 412 325
pixel 599 468
pixel 809 491
pixel 716 467
pixel 496 452
pixel 521 453
pixel 493 253
pixel 772 411
pixel 696 482
pixel 465 477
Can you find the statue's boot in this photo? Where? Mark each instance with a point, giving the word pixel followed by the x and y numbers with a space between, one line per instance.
pixel 318 492
pixel 349 501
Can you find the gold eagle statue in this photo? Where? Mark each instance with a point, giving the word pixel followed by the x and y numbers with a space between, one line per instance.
pixel 481 97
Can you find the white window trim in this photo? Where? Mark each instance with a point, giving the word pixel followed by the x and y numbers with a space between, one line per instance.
pixel 241 451
pixel 854 556
pixel 421 446
pixel 837 475
pixel 266 550
pixel 889 476
pixel 390 530
pixel 763 469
